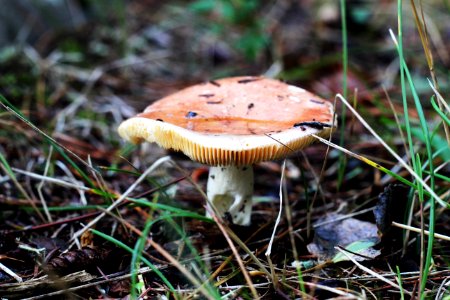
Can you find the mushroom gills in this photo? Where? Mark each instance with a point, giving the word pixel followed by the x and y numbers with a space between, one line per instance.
pixel 230 190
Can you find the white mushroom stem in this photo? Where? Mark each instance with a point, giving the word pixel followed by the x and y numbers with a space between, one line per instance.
pixel 230 190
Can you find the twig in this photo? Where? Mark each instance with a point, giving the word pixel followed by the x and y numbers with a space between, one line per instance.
pixel 397 121
pixel 22 191
pixel 52 180
pixel 443 288
pixel 344 217
pixel 244 247
pixel 365 269
pixel 83 286
pixel 439 97
pixel 333 290
pixel 41 186
pixel 426 232
pixel 166 255
pixel 10 273
pixel 123 197
pixel 72 178
pixel 269 248
pixel 238 258
pixel 34 127
pixel 399 159
pixel 180 267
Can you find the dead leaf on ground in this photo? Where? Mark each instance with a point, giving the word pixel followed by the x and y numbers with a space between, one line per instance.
pixel 356 236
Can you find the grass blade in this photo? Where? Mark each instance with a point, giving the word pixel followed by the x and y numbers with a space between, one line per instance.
pixel 439 111
pixel 391 151
pixel 9 107
pixel 342 157
pixel 148 263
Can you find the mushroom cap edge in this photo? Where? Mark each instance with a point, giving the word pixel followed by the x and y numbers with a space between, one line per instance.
pixel 221 150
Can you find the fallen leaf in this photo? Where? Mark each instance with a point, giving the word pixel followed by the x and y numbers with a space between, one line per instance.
pixel 336 230
pixel 359 251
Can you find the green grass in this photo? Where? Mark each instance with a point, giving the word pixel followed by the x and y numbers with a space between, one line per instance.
pixel 9 107
pixel 439 111
pixel 166 214
pixel 343 129
pixel 399 280
pixel 143 259
pixel 416 158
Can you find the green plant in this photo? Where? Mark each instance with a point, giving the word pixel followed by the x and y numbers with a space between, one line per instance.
pixel 241 14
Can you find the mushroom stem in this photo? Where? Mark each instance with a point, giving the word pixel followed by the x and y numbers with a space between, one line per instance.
pixel 230 190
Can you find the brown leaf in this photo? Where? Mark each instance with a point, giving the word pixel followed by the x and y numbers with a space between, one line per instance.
pixel 76 260
pixel 337 231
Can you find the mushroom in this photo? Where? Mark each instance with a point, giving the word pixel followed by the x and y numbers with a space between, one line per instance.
pixel 231 124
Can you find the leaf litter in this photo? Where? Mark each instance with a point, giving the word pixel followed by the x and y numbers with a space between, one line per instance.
pixel 354 235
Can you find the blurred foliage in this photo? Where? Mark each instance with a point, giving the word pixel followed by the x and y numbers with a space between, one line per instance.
pixel 242 14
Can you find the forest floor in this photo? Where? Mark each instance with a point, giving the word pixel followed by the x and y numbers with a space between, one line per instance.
pixel 77 220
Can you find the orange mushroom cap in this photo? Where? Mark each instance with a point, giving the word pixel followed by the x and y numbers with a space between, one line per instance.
pixel 233 121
